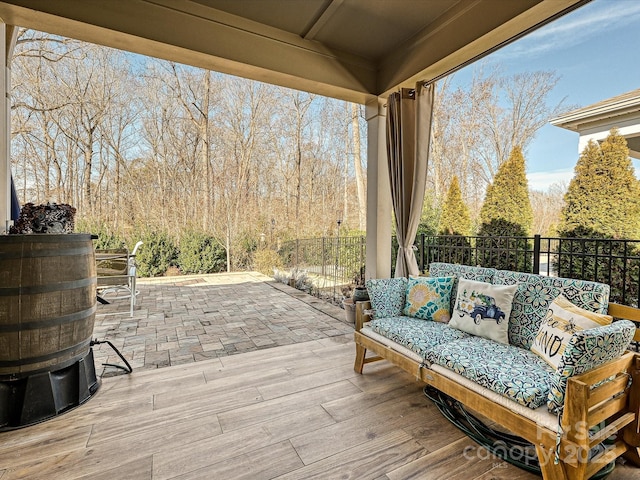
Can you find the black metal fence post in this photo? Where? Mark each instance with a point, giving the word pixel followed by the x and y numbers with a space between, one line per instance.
pixel 421 249
pixel 536 254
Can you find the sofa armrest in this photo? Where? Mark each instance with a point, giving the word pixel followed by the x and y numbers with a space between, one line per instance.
pixel 586 351
pixel 362 315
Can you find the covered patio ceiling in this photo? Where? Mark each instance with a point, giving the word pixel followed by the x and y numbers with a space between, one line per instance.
pixel 348 49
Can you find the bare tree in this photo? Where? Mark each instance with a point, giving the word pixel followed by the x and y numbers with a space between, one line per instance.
pixel 546 208
pixel 476 128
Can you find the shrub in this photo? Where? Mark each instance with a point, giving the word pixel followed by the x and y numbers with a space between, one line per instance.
pixel 266 260
pixel 507 198
pixel 449 249
pixel 156 255
pixel 586 254
pixel 242 250
pixel 106 238
pixel 201 253
pixel 604 194
pixel 455 218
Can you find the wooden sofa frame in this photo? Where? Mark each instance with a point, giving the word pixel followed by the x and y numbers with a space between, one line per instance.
pixel 585 406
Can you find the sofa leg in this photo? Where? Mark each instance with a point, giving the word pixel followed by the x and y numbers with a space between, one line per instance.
pixel 360 354
pixel 633 455
pixel 549 469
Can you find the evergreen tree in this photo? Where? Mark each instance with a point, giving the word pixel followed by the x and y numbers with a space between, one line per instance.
pixel 602 207
pixel 455 218
pixel 507 213
pixel 454 226
pixel 507 198
pixel 429 218
pixel 604 194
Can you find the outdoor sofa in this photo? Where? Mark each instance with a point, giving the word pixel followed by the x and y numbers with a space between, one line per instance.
pixel 520 351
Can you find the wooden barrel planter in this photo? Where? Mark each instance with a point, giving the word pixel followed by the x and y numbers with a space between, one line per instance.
pixel 47 313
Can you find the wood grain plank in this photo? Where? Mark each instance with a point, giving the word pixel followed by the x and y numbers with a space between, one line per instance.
pixel 299 423
pixel 139 469
pixel 434 432
pixel 351 406
pixel 121 450
pixel 319 364
pixel 153 375
pixel 259 357
pixel 120 428
pixel 264 364
pixel 198 455
pixel 370 460
pixel 505 471
pixel 135 388
pixel 460 460
pixel 267 462
pixel 41 443
pixel 370 424
pixel 383 376
pixel 210 393
pixel 282 406
pixel 306 382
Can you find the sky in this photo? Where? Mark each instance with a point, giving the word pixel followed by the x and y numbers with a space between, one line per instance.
pixel 596 52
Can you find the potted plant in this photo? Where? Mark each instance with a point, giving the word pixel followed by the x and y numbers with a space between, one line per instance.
pixel 360 293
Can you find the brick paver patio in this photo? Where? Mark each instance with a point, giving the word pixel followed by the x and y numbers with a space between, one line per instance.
pixel 181 320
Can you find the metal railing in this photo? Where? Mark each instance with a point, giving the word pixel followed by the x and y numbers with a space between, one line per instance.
pixel 614 262
pixel 332 262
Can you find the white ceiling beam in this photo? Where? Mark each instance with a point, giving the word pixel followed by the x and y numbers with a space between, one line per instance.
pixel 194 34
pixel 322 20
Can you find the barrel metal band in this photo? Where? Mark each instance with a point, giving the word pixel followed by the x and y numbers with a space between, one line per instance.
pixel 48 288
pixel 49 322
pixel 60 252
pixel 44 358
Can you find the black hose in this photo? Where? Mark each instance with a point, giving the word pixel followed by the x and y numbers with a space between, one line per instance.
pixel 127 369
pixel 500 444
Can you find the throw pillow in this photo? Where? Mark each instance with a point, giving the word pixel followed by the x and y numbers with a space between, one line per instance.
pixel 587 350
pixel 387 296
pixel 428 298
pixel 562 320
pixel 483 309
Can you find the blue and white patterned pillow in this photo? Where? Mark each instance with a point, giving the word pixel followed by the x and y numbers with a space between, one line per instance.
pixel 479 274
pixel 587 350
pixel 429 298
pixel 387 296
pixel 536 292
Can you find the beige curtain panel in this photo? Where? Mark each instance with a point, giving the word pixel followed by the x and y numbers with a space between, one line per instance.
pixel 409 114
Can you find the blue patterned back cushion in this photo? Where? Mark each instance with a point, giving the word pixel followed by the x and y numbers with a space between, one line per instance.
pixel 536 292
pixel 479 274
pixel 587 350
pixel 387 296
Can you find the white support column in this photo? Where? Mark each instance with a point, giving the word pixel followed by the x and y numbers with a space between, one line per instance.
pixel 5 134
pixel 378 193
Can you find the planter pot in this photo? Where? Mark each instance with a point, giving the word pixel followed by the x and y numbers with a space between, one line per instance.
pixel 360 294
pixel 350 310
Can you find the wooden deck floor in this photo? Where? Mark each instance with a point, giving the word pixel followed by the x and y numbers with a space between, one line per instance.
pixel 292 412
